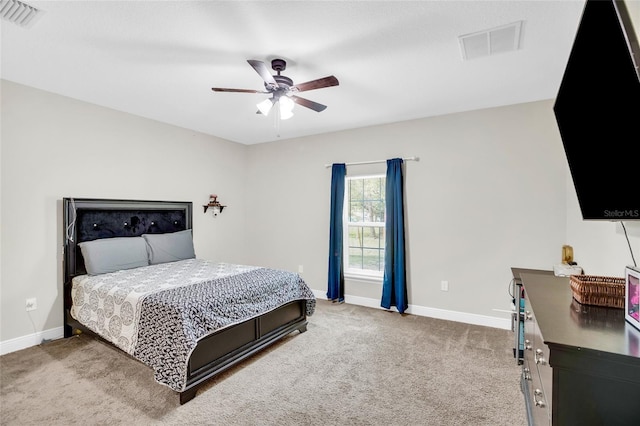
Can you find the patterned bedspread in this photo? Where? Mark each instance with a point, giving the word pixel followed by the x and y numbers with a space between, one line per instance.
pixel 158 313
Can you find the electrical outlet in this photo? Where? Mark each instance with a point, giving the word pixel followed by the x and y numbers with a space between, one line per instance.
pixel 31 304
pixel 444 285
pixel 300 269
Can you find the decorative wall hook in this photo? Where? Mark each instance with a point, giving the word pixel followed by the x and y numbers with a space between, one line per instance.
pixel 214 205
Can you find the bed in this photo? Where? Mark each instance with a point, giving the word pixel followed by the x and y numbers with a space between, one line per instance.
pixel 132 279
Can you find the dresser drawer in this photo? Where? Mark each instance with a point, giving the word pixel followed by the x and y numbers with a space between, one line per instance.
pixel 541 361
pixel 537 399
pixel 530 331
pixel 536 370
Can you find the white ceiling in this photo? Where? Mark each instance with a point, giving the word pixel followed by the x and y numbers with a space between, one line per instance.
pixel 395 60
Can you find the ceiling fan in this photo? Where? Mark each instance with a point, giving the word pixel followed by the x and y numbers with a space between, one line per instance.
pixel 282 89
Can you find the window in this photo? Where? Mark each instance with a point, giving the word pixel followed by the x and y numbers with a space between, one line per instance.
pixel 364 218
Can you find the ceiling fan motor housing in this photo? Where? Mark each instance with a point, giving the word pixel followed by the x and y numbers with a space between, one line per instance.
pixel 279 65
pixel 283 81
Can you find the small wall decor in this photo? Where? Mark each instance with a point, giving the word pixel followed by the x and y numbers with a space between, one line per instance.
pixel 214 205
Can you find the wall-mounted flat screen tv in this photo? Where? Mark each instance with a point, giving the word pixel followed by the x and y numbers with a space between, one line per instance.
pixel 597 110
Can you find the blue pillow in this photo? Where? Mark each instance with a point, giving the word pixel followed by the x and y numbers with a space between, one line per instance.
pixel 170 247
pixel 114 254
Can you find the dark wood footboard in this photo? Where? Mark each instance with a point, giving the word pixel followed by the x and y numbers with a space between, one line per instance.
pixel 226 348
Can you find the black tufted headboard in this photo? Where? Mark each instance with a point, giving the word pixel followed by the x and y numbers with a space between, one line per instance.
pixel 86 219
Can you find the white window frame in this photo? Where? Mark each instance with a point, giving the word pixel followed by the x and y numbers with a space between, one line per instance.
pixel 356 273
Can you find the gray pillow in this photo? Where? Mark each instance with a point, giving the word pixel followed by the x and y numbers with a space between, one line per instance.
pixel 114 254
pixel 170 247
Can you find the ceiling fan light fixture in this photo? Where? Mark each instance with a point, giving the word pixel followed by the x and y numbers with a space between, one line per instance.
pixel 286 107
pixel 285 115
pixel 265 106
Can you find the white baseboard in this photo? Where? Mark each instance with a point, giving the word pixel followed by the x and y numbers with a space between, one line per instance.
pixel 24 342
pixel 484 320
pixel 424 311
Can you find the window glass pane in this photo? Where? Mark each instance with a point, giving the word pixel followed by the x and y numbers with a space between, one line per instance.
pixel 356 213
pixel 355 258
pixel 378 211
pixel 356 188
pixel 355 200
pixel 373 211
pixel 373 188
pixel 371 237
pixel 372 260
pixel 355 236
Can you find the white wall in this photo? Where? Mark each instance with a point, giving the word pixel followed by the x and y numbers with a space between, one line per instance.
pixel 55 147
pixel 488 193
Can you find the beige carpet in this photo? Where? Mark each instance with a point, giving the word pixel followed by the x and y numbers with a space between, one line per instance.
pixel 354 366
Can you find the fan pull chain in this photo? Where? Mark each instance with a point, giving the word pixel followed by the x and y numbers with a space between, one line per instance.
pixel 276 119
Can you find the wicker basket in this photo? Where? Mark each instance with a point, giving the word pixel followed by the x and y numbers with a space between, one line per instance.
pixel 598 291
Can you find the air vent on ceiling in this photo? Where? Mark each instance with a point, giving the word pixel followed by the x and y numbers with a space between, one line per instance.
pixel 18 12
pixel 501 39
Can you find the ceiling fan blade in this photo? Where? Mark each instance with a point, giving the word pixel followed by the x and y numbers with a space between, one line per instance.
pixel 315 84
pixel 222 89
pixel 309 104
pixel 264 72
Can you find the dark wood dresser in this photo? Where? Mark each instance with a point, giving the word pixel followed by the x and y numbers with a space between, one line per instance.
pixel 581 363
